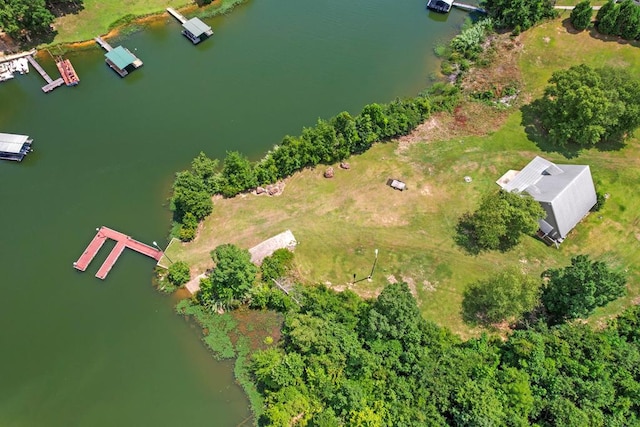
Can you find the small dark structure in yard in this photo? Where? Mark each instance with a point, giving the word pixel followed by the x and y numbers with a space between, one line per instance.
pixel 565 192
pixel 396 184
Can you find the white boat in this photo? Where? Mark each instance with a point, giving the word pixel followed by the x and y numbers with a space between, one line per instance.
pixel 6 75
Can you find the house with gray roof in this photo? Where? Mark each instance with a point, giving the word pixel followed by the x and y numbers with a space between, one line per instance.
pixel 565 192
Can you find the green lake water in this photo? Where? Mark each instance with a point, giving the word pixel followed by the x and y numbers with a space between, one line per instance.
pixel 78 351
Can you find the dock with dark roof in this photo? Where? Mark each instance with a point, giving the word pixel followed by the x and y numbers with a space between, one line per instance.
pixel 122 242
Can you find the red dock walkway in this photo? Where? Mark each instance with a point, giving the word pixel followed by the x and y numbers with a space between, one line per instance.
pixel 123 242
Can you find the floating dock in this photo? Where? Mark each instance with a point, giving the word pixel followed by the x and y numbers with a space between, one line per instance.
pixel 193 29
pixel 120 59
pixel 122 242
pixel 67 72
pixel 51 84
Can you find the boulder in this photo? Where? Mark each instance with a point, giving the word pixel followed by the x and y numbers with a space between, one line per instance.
pixel 329 172
pixel 345 165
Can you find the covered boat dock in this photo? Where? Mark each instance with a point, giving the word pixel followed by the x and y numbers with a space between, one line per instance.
pixel 14 147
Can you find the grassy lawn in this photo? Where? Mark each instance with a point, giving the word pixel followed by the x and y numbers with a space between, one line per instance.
pixel 98 15
pixel 339 222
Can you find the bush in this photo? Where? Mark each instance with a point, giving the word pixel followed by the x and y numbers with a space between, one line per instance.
pixel 179 273
pixel 506 296
pixel 581 15
pixel 600 201
pixel 276 265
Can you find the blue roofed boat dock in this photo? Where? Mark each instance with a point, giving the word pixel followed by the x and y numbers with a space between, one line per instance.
pixel 120 59
pixel 193 29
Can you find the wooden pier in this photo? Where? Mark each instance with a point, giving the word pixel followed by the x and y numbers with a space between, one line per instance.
pixel 51 84
pixel 468 7
pixel 103 44
pixel 122 242
pixel 177 15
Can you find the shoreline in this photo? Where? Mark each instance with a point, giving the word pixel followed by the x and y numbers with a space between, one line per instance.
pixel 208 11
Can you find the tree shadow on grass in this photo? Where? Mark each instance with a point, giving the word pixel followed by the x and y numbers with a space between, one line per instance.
pixel 535 133
pixel 59 9
pixel 465 236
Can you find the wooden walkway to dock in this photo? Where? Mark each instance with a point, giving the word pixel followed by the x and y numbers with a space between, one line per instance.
pixel 103 44
pixel 51 84
pixel 469 7
pixel 177 15
pixel 122 242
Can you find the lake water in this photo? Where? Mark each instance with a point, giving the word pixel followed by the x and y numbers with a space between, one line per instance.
pixel 78 351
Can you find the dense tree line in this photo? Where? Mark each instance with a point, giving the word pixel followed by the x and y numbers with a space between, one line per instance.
pixel 587 106
pixel 327 142
pixel 620 19
pixel 346 361
pixel 519 15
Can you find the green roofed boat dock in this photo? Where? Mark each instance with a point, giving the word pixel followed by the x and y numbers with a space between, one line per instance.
pixel 120 59
pixel 193 29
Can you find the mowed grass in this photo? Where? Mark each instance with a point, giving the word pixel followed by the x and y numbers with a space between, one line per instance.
pixel 98 15
pixel 340 222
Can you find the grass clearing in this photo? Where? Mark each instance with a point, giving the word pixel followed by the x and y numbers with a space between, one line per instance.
pixel 98 17
pixel 339 222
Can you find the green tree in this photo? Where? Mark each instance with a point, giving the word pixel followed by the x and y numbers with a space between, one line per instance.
pixel 500 222
pixel 188 228
pixel 179 273
pixel 519 13
pixel 206 169
pixel 190 195
pixel 628 22
pixel 506 296
pixel 581 106
pixel 25 17
pixel 276 265
pixel 233 275
pixel 576 290
pixel 607 17
pixel 237 174
pixel 581 15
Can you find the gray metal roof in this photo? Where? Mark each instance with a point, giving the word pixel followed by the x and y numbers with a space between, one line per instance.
pixel 196 27
pixel 566 192
pixel 529 175
pixel 12 143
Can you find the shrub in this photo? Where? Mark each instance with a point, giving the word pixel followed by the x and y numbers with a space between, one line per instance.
pixel 179 273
